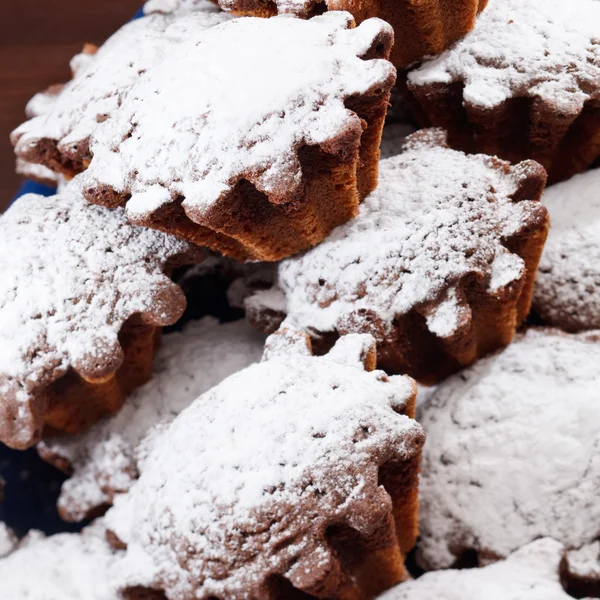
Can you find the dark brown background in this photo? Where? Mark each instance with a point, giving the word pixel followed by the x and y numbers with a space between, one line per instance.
pixel 37 40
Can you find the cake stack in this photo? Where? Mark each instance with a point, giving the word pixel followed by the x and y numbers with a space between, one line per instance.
pixel 280 226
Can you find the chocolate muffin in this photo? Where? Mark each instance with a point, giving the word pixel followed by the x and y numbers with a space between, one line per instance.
pixel 82 297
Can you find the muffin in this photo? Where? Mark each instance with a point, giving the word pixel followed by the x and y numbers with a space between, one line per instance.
pixel 512 452
pixel 82 298
pixel 254 180
pixel 525 83
pixel 297 475
pixel 104 461
pixel 438 265
pixel 567 289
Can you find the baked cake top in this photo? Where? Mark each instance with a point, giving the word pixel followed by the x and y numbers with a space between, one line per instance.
pixel 512 451
pixel 567 290
pixel 195 138
pixel 301 8
pixel 245 482
pixel 70 275
pixel 106 459
pixel 180 7
pixel 67 566
pixel 531 573
pixel 99 85
pixel 438 217
pixel 546 49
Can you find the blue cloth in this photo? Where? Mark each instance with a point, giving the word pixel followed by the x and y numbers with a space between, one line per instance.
pixel 32 486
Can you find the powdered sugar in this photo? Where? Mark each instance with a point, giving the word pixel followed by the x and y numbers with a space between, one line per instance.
pixel 513 451
pixel 100 84
pixel 567 291
pixel 197 137
pixel 70 275
pixel 546 49
pixel 61 567
pixel 244 482
pixel 37 172
pixel 40 104
pixel 302 8
pixel 8 540
pixel 180 7
pixel 531 573
pixel 105 460
pixel 438 217
pixel 585 562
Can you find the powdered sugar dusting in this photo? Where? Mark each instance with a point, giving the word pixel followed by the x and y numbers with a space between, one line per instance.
pixel 60 567
pixel 180 7
pixel 512 451
pixel 567 291
pixel 70 275
pixel 41 104
pixel 531 573
pixel 8 540
pixel 585 562
pixel 245 481
pixel 203 128
pixel 546 49
pixel 105 460
pixel 37 172
pixel 439 216
pixel 103 80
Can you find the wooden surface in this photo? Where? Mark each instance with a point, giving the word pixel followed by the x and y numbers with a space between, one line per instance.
pixel 37 40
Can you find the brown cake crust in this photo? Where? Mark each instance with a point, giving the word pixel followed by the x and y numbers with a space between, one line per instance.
pixel 65 413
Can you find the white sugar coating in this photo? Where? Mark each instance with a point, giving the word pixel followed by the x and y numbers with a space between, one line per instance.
pixel 531 573
pixel 180 7
pixel 567 290
pixel 67 566
pixel 295 441
pixel 70 275
pixel 101 82
pixel 437 216
pixel 301 8
pixel 40 104
pixel 105 460
pixel 8 540
pixel 43 102
pixel 36 172
pixel 512 451
pixel 287 342
pixel 585 562
pixel 196 137
pixel 546 49
pixel 392 140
